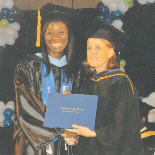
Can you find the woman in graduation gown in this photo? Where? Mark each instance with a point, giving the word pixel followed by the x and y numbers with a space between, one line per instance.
pixel 117 124
pixel 35 77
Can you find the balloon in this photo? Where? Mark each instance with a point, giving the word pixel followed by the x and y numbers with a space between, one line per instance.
pixel 141 98
pixel 2 107
pixel 8 113
pixel 16 35
pixel 105 9
pixel 7 122
pixel 116 13
pixel 15 26
pixel 122 63
pixel 117 23
pixel 131 4
pixel 128 1
pixel 12 118
pixel 109 19
pixel 142 2
pixel 2 41
pixel 151 1
pixel 2 117
pixel 113 6
pixel 151 116
pixel 11 20
pixel 107 2
pixel 122 69
pixel 1 124
pixel 4 11
pixel 152 95
pixel 10 105
pixel 2 3
pixel 123 6
pixel 8 4
pixel 4 23
pixel 101 17
pixel 10 40
pixel 10 32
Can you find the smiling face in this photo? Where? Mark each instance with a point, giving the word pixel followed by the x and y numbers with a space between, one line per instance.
pixel 56 38
pixel 98 53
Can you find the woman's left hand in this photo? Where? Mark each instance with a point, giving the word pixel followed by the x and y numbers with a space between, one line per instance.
pixel 70 138
pixel 82 131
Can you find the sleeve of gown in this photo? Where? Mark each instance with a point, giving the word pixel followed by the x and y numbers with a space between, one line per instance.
pixel 30 109
pixel 123 98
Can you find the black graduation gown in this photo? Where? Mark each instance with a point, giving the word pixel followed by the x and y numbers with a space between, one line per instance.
pixel 30 136
pixel 117 124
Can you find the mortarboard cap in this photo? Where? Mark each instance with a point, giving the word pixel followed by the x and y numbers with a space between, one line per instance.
pixel 101 29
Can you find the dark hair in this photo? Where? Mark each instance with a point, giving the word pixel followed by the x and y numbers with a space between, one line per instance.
pixel 68 51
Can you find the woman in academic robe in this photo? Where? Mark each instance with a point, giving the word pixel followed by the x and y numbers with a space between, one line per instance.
pixel 35 77
pixel 117 123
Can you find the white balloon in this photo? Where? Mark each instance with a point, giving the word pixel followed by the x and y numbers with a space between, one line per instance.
pixel 13 116
pixel 122 69
pixel 142 2
pixel 123 6
pixel 113 6
pixel 106 2
pixel 118 24
pixel 2 3
pixel 2 41
pixel 15 26
pixel 16 35
pixel 10 105
pixel 1 124
pixel 151 1
pixel 152 95
pixel 2 107
pixel 2 31
pixel 2 117
pixel 151 116
pixel 10 32
pixel 8 4
pixel 10 40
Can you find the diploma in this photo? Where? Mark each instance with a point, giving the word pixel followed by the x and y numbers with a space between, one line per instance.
pixel 63 110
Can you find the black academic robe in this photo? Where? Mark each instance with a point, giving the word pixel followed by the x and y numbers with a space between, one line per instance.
pixel 117 123
pixel 30 136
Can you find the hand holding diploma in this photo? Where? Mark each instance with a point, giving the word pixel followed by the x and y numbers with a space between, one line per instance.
pixel 70 138
pixel 82 131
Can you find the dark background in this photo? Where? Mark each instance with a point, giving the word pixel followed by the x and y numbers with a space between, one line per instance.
pixel 139 53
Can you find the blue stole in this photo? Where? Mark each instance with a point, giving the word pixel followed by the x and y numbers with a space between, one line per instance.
pixel 48 83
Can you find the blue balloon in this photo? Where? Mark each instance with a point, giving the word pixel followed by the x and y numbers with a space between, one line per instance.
pixel 103 8
pixel 117 13
pixel 7 122
pixel 5 10
pixel 100 5
pixel 141 98
pixel 8 113
pixel 109 19
pixel 11 20
pixel 101 17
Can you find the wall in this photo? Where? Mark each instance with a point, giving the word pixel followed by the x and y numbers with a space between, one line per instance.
pixel 36 4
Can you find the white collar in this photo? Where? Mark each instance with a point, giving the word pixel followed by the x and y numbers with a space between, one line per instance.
pixel 57 62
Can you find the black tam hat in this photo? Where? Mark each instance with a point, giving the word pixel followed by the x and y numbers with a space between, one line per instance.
pixel 101 29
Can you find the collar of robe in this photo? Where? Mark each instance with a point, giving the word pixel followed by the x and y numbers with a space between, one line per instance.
pixel 57 62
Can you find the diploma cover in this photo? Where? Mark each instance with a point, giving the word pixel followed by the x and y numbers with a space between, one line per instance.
pixel 63 110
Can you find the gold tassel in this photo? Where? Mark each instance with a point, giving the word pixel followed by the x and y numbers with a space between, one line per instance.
pixel 38 29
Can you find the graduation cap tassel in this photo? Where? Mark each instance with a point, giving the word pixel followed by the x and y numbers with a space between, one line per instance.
pixel 38 29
